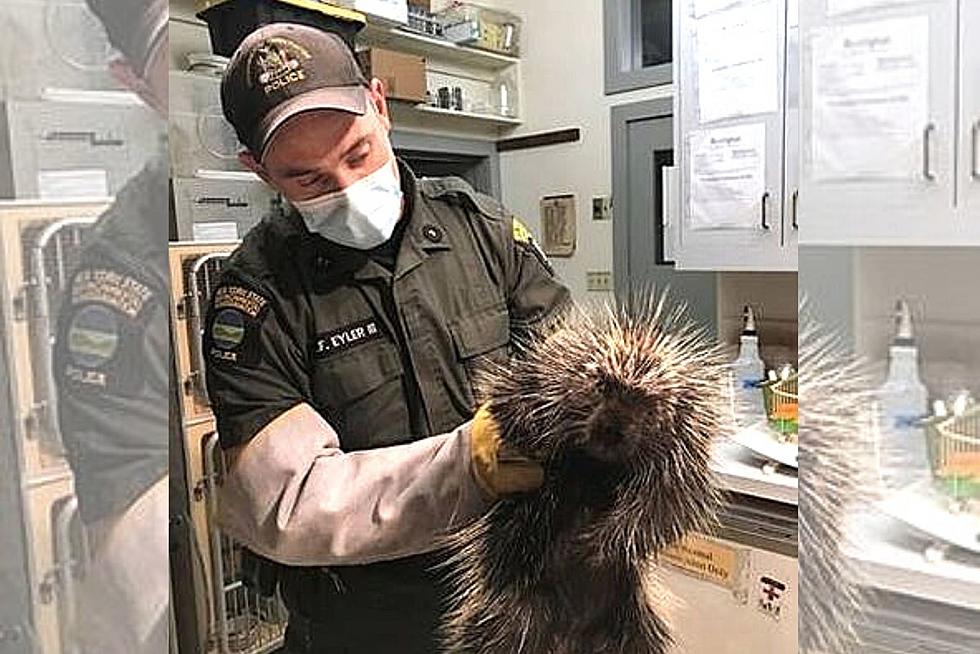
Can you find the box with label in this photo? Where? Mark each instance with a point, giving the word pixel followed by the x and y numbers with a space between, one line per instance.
pixel 403 74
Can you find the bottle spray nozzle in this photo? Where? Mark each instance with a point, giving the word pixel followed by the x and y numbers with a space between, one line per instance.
pixel 903 324
pixel 748 321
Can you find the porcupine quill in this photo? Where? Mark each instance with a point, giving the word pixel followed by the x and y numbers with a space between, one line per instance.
pixel 621 410
pixel 838 477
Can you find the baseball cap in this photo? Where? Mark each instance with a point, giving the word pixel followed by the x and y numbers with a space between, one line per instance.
pixel 134 27
pixel 284 69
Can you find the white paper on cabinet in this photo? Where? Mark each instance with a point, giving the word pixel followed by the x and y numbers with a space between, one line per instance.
pixel 870 99
pixel 837 7
pixel 728 177
pixel 737 59
pixel 705 7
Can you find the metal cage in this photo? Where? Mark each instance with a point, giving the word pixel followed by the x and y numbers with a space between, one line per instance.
pixel 71 553
pixel 954 451
pixel 202 275
pixel 243 622
pixel 51 252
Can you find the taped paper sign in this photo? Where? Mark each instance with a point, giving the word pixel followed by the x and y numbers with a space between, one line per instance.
pixel 727 177
pixel 737 57
pixel 80 183
pixel 870 99
pixel 837 7
pixel 706 559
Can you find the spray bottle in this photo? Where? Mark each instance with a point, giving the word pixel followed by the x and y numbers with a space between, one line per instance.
pixel 747 371
pixel 904 402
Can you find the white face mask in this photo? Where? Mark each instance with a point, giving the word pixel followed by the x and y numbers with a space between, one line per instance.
pixel 361 216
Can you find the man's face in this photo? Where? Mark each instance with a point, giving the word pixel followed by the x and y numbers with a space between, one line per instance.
pixel 322 151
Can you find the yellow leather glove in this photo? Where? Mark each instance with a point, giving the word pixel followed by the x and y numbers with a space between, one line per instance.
pixel 497 469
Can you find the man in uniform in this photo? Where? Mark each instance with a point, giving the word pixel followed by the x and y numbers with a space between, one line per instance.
pixel 342 344
pixel 112 371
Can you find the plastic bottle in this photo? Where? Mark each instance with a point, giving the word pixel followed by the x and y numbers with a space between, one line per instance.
pixel 747 371
pixel 903 401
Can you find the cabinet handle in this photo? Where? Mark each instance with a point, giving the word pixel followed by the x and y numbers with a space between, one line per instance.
pixel 975 164
pixel 765 218
pixel 926 149
pixel 796 204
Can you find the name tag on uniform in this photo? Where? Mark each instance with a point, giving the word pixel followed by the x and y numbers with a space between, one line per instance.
pixel 346 337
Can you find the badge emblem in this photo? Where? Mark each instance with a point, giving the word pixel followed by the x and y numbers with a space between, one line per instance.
pixel 228 329
pixel 277 63
pixel 93 337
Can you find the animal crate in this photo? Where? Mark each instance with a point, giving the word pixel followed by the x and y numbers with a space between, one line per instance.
pixel 40 243
pixel 244 621
pixel 195 269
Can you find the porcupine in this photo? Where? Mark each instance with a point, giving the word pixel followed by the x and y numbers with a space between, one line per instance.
pixel 621 411
pixel 837 477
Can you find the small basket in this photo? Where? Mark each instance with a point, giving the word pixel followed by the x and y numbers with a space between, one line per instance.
pixel 781 402
pixel 954 452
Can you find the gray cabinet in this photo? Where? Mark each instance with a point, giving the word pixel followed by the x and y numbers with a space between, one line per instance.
pixel 219 209
pixel 887 135
pixel 52 149
pixel 735 123
pixel 969 178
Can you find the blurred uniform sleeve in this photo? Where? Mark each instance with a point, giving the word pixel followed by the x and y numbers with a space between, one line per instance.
pixel 110 367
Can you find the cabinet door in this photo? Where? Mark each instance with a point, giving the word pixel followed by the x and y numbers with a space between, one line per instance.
pixel 879 84
pixel 729 64
pixel 791 147
pixel 969 205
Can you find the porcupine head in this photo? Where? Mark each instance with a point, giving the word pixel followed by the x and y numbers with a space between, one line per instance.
pixel 620 409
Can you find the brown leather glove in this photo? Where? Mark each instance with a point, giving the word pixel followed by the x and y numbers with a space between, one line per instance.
pixel 497 469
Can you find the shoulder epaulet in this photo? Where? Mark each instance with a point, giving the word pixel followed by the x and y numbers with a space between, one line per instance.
pixel 436 187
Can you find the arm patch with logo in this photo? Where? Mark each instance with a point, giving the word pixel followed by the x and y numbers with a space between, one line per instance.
pixel 524 238
pixel 101 335
pixel 232 332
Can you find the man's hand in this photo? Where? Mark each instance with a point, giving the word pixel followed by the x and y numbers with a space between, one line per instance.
pixel 497 470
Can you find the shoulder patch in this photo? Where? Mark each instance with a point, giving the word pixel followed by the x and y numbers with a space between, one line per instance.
pixel 121 292
pixel 524 238
pixel 231 335
pixel 243 299
pixel 521 233
pixel 93 336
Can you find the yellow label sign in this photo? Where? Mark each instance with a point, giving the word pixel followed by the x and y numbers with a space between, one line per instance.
pixel 706 559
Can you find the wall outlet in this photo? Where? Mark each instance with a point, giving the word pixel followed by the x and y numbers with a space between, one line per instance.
pixel 601 207
pixel 598 280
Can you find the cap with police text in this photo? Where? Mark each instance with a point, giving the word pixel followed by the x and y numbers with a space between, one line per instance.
pixel 283 69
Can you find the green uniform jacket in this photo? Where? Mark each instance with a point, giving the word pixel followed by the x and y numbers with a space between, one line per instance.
pixel 385 349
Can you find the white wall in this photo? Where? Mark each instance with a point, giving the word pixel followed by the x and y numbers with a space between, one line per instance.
pixel 562 87
pixel 947 319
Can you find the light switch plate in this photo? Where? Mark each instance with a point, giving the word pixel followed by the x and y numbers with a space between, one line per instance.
pixel 598 280
pixel 601 207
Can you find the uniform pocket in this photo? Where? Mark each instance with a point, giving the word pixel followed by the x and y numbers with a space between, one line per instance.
pixel 481 339
pixel 362 391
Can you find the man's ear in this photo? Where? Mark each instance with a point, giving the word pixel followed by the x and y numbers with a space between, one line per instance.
pixel 247 159
pixel 379 98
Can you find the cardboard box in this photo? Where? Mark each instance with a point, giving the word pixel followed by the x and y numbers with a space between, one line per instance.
pixel 396 10
pixel 425 4
pixel 402 74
